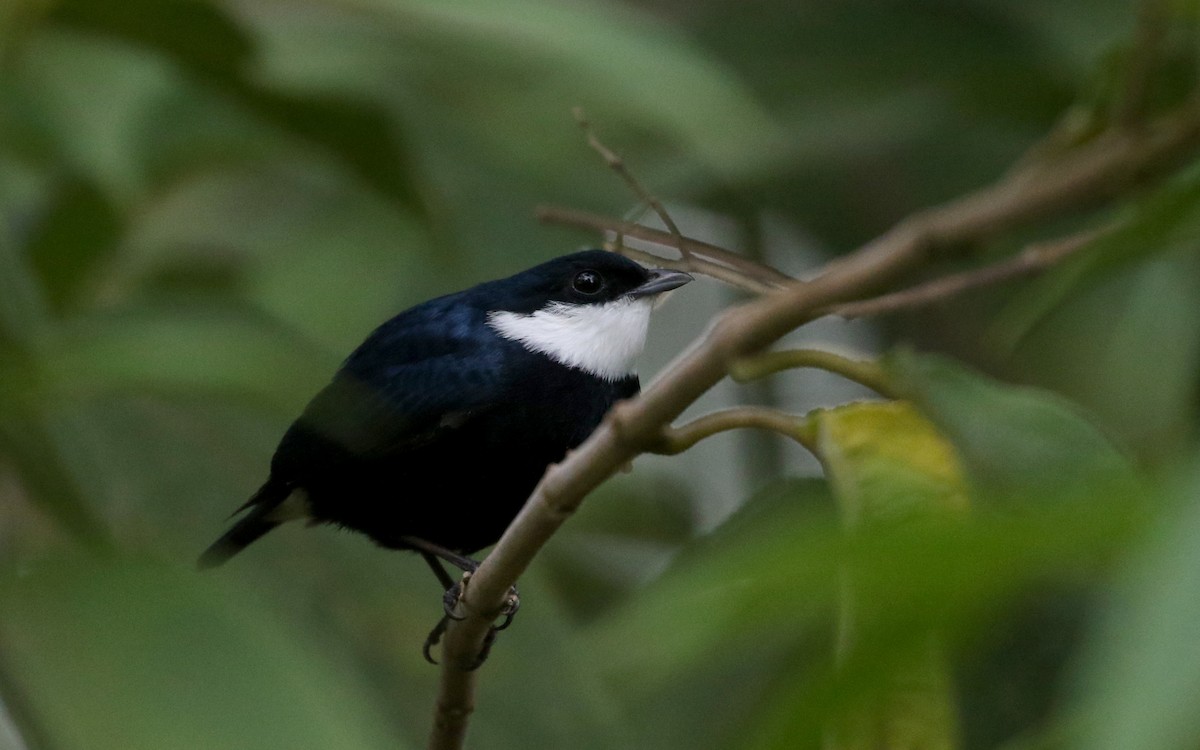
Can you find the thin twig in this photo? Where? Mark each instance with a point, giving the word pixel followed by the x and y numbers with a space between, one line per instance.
pixel 617 164
pixel 676 440
pixel 713 271
pixel 1032 260
pixel 1079 178
pixel 862 372
pixel 706 258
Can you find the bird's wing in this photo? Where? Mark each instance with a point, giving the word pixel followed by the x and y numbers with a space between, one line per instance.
pixel 416 378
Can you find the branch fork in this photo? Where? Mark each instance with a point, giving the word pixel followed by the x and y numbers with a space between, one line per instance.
pixel 1080 177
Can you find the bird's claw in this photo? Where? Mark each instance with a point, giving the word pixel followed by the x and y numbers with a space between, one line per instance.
pixel 434 637
pixel 450 601
pixel 453 596
pixel 512 604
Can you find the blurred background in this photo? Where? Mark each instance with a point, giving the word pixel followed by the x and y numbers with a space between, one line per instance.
pixel 206 204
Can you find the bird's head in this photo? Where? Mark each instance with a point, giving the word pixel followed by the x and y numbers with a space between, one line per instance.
pixel 588 310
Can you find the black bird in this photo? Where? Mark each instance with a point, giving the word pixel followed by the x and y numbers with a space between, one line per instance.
pixel 436 429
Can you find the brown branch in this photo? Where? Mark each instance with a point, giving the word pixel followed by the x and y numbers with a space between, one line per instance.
pixel 1032 260
pixel 705 258
pixel 675 440
pixel 1078 178
pixel 1099 169
pixel 455 704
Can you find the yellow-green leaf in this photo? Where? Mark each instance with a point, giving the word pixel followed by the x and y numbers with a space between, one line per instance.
pixel 885 460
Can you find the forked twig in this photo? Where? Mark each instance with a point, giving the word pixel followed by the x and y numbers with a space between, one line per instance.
pixel 617 164
pixel 707 259
pixel 1033 259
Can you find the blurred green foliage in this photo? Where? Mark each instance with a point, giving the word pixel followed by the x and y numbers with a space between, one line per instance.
pixel 204 204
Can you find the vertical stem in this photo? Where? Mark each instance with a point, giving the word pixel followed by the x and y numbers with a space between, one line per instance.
pixel 761 451
pixel 455 704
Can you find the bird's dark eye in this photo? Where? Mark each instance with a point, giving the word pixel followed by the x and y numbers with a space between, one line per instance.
pixel 587 282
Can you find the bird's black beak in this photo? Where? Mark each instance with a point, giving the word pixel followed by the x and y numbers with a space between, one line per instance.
pixel 660 281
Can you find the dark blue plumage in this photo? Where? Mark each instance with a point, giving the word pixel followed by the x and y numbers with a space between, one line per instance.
pixel 440 424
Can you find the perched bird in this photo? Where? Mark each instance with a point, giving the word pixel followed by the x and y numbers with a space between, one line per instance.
pixel 436 429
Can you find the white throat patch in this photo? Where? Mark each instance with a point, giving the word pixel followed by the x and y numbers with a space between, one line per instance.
pixel 603 340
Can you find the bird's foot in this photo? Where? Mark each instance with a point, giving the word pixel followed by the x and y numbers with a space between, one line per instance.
pixel 434 637
pixel 508 610
pixel 450 601
pixel 453 595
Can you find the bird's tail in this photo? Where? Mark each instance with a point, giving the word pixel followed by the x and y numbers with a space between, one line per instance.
pixel 261 518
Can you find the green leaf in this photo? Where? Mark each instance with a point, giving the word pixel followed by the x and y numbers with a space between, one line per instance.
pixel 464 70
pixel 361 134
pixel 75 235
pixel 884 460
pixel 51 467
pixel 706 589
pixel 24 132
pixel 1138 682
pixel 194 33
pixel 759 609
pixel 1013 440
pixel 23 313
pixel 37 444
pixel 211 352
pixel 760 602
pixel 886 464
pixel 209 45
pixel 136 655
pixel 1095 346
pixel 1164 223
